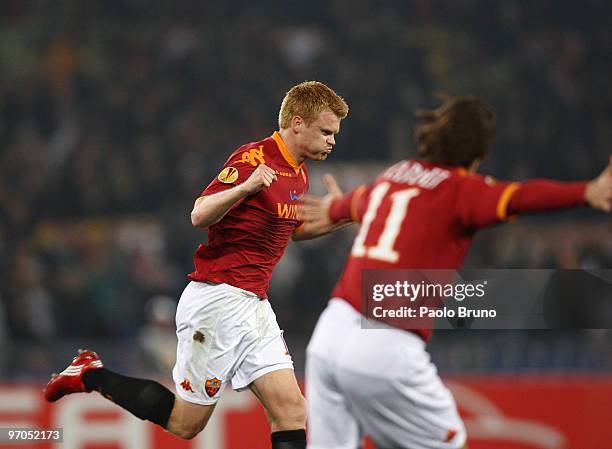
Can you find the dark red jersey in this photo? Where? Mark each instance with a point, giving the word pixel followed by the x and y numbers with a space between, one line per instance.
pixel 245 246
pixel 423 216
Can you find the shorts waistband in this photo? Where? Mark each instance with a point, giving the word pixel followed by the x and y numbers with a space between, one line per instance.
pixel 342 306
pixel 237 290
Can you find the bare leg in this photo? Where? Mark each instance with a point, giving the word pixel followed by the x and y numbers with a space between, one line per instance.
pixel 187 419
pixel 280 395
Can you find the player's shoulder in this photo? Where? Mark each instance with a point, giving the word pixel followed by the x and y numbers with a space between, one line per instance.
pixel 466 177
pixel 252 153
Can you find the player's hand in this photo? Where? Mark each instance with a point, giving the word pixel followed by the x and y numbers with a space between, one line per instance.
pixel 598 193
pixel 315 209
pixel 263 176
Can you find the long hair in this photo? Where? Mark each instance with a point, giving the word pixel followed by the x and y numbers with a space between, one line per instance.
pixel 461 130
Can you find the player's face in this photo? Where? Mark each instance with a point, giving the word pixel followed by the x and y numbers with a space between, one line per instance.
pixel 317 139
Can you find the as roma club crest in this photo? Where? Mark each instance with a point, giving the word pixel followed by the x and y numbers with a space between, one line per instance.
pixel 228 175
pixel 212 386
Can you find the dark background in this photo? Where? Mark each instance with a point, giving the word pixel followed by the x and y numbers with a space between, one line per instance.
pixel 114 114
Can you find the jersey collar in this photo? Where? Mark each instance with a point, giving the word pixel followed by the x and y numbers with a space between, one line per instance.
pixel 285 152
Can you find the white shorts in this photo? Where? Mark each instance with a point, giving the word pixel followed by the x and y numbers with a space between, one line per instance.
pixel 375 382
pixel 224 334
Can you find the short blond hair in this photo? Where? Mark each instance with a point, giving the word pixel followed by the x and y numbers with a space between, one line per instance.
pixel 308 100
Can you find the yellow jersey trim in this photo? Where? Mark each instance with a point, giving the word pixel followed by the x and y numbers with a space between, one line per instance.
pixel 462 171
pixel 504 199
pixel 354 201
pixel 285 152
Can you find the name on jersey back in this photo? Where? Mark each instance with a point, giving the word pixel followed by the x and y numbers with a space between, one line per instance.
pixel 413 173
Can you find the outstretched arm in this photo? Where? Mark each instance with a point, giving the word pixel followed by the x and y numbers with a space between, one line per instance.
pixel 543 195
pixel 598 193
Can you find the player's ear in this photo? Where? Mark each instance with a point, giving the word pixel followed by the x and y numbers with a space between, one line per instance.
pixel 297 123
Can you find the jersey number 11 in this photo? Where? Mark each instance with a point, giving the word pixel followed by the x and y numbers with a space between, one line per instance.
pixel 384 247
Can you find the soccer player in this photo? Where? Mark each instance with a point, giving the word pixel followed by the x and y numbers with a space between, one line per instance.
pixel 418 214
pixel 227 331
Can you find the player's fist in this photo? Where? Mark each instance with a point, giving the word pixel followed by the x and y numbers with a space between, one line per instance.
pixel 598 193
pixel 263 176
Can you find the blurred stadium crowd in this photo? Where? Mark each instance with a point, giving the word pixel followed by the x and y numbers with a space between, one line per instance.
pixel 115 114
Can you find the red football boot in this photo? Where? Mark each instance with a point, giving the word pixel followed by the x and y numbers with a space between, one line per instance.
pixel 71 379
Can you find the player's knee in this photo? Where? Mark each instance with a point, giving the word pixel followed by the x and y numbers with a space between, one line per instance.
pixel 187 426
pixel 187 431
pixel 299 409
pixel 291 414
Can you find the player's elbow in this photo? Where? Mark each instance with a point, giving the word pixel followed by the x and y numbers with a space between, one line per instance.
pixel 198 219
pixel 199 216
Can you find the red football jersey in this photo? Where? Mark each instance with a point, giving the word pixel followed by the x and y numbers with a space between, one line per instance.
pixel 246 244
pixel 419 216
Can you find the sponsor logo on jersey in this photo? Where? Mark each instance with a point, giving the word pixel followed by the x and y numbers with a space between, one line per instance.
pixel 288 211
pixel 212 386
pixel 284 173
pixel 186 385
pixel 293 195
pixel 254 156
pixel 228 175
